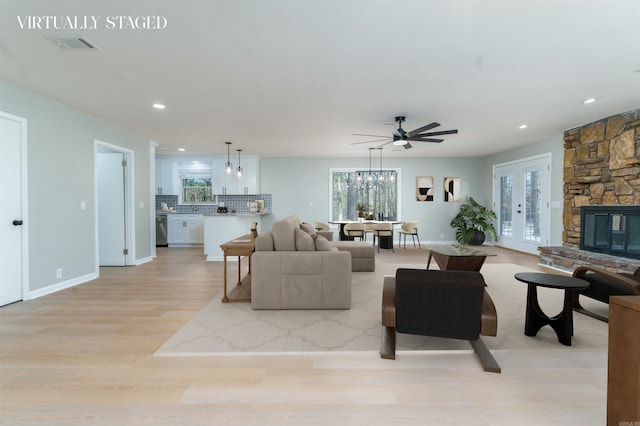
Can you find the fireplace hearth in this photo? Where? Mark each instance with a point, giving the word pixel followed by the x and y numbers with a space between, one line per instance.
pixel 613 230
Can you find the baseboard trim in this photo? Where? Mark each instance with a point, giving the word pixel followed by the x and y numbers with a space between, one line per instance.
pixel 61 286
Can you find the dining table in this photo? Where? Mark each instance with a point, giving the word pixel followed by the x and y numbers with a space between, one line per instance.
pixel 342 223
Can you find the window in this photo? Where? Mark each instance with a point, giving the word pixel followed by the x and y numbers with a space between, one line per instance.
pixel 197 189
pixel 378 191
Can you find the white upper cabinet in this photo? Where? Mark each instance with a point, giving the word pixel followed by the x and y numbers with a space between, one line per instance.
pixel 168 175
pixel 248 183
pixel 231 184
pixel 166 182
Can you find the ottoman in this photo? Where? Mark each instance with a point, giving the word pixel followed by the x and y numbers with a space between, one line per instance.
pixel 363 255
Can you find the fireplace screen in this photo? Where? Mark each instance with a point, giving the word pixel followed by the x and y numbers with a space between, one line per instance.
pixel 613 230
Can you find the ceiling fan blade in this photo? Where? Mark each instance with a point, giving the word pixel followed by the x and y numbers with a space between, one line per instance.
pixel 371 136
pixel 426 140
pixel 406 145
pixel 395 131
pixel 423 129
pixel 376 140
pixel 444 132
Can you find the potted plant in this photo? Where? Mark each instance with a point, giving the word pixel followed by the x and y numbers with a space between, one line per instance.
pixel 471 223
pixel 360 208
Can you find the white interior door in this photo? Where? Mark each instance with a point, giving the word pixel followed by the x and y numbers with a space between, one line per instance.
pixel 522 203
pixel 12 214
pixel 111 209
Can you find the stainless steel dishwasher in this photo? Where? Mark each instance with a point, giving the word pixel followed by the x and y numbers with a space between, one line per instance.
pixel 161 230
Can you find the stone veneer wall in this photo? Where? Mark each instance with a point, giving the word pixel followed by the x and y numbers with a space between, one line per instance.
pixel 601 167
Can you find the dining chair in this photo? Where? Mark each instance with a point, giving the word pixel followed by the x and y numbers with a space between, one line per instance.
pixel 369 229
pixel 354 230
pixel 410 228
pixel 324 230
pixel 384 233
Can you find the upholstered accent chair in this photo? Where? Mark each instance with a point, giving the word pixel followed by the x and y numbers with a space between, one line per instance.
pixel 410 228
pixel 604 284
pixel 354 230
pixel 449 304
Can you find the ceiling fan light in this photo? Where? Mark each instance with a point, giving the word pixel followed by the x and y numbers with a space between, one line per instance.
pixel 400 142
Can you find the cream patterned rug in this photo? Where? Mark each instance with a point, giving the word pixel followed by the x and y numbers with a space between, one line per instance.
pixel 224 328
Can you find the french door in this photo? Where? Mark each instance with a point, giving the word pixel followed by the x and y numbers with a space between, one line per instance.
pixel 521 200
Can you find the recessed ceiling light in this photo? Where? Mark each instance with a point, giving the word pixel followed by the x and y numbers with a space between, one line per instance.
pixel 181 149
pixel 589 101
pixel 159 106
pixel 523 126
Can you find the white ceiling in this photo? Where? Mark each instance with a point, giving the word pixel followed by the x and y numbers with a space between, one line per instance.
pixel 297 78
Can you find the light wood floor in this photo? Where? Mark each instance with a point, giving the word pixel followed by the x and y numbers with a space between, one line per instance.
pixel 84 356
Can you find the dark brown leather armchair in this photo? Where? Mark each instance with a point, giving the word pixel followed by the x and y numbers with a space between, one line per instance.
pixel 450 304
pixel 603 284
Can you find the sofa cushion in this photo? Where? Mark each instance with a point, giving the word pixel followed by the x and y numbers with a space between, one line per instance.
pixel 283 235
pixel 308 229
pixel 264 242
pixel 322 244
pixel 304 242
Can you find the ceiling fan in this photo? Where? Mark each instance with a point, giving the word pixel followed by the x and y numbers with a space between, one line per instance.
pixel 401 137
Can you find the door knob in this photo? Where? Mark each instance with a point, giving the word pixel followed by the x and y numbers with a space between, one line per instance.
pixel 17 222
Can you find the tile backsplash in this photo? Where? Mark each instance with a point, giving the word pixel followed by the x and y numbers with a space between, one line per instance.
pixel 232 202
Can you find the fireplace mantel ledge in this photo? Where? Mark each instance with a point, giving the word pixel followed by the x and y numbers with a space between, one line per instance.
pixel 569 258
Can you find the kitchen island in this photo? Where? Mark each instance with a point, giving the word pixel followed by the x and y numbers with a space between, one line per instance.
pixel 221 227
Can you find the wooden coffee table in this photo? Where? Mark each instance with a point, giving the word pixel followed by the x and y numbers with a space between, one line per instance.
pixel 535 319
pixel 457 257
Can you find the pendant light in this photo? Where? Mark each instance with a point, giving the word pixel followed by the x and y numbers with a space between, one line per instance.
pixel 239 172
pixel 229 167
pixel 380 177
pixel 370 177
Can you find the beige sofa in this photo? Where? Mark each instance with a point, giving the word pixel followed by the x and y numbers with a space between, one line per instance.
pixel 294 268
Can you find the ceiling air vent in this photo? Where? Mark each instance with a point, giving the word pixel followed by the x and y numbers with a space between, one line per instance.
pixel 72 42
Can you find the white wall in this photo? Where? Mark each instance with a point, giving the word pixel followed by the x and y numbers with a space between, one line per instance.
pixel 301 186
pixel 61 175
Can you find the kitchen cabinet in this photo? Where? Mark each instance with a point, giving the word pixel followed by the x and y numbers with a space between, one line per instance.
pixel 185 229
pixel 166 181
pixel 231 184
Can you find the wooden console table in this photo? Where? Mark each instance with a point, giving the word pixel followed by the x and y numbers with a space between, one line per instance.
pixel 623 386
pixel 241 246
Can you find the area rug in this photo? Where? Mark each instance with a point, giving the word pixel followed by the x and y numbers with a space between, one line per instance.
pixel 225 328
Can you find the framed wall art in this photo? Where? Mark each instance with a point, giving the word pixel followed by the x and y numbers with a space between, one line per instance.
pixel 424 188
pixel 452 190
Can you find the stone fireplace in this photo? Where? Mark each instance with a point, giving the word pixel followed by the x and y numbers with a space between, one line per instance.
pixel 601 168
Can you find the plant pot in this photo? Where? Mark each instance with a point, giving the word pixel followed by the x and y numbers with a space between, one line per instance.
pixel 478 239
pixel 360 214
